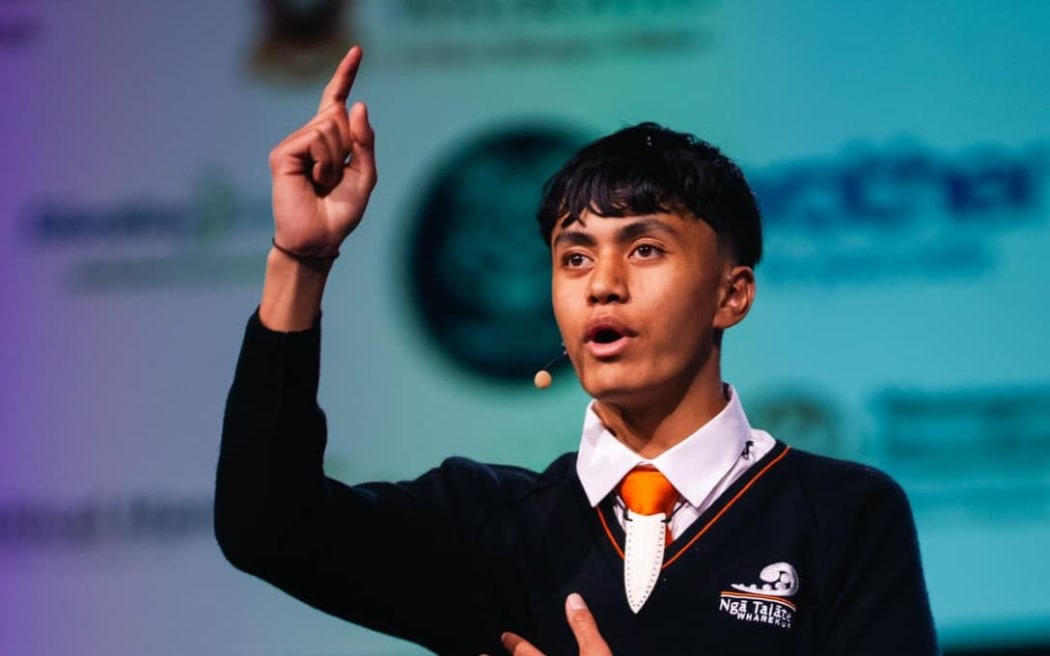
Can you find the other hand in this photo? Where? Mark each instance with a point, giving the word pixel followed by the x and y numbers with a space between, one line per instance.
pixel 583 626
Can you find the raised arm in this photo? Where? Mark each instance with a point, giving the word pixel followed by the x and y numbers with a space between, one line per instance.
pixel 323 174
pixel 398 558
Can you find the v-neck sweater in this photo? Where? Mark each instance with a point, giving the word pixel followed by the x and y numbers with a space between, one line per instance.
pixel 467 551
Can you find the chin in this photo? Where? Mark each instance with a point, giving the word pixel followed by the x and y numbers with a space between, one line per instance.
pixel 616 385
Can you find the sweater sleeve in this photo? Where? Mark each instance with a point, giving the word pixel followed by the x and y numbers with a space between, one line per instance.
pixel 400 558
pixel 877 602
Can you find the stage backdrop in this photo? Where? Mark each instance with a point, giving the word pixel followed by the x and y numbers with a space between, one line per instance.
pixel 899 151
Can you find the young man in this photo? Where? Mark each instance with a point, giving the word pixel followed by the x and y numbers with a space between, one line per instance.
pixel 687 531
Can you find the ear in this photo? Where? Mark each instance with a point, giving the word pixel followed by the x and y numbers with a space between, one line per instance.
pixel 738 293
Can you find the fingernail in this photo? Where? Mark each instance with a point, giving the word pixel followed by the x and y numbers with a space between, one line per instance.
pixel 575 602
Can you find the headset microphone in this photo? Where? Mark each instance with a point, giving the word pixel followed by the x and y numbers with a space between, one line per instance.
pixel 542 379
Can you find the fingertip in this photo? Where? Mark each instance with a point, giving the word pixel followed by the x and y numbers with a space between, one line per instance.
pixel 510 641
pixel 359 123
pixel 575 602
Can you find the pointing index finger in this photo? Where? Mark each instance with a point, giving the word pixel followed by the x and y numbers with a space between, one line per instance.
pixel 338 88
pixel 583 626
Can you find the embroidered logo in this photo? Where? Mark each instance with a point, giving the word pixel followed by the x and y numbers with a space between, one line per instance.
pixel 766 602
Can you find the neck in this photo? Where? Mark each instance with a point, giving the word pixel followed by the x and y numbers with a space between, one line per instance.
pixel 652 426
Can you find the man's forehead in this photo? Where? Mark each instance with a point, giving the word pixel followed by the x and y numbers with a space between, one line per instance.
pixel 591 222
pixel 588 220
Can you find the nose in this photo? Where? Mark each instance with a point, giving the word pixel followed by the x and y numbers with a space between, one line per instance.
pixel 608 282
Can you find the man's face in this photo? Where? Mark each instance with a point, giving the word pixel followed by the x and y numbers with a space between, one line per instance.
pixel 637 300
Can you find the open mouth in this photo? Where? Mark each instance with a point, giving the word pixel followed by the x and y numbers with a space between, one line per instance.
pixel 606 336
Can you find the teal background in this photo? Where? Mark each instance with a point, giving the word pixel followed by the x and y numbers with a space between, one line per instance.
pixel 901 322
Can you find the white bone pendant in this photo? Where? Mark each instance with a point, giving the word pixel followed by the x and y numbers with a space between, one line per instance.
pixel 643 556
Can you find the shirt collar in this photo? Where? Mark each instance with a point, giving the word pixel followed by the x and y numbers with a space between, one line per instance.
pixel 694 465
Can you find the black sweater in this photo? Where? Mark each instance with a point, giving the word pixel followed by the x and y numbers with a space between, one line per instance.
pixel 454 558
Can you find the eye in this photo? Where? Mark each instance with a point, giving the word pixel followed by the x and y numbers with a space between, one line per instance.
pixel 575 260
pixel 648 251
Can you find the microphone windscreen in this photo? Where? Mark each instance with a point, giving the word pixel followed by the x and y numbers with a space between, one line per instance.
pixel 542 379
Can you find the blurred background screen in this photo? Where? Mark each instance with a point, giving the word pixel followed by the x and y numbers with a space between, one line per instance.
pixel 899 151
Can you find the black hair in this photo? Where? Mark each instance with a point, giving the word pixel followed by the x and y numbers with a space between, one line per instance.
pixel 647 168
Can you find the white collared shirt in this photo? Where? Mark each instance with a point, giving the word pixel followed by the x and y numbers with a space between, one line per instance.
pixel 701 467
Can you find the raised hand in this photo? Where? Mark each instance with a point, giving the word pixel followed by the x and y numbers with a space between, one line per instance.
pixel 324 172
pixel 583 626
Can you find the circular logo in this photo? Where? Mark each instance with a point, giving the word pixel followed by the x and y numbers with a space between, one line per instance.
pixel 805 419
pixel 480 273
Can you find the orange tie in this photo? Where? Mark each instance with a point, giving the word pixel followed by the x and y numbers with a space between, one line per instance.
pixel 646 492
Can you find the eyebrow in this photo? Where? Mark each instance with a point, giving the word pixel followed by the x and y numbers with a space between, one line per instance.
pixel 627 233
pixel 642 227
pixel 574 238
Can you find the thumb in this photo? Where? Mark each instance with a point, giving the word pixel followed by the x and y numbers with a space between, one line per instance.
pixel 584 627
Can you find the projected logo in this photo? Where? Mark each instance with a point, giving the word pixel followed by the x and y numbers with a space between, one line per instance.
pixel 426 33
pixel 899 212
pixel 804 418
pixel 979 453
pixel 212 238
pixel 301 38
pixel 30 525
pixel 479 273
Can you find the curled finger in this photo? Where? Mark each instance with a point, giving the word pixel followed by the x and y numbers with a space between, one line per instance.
pixel 336 154
pixel 362 153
